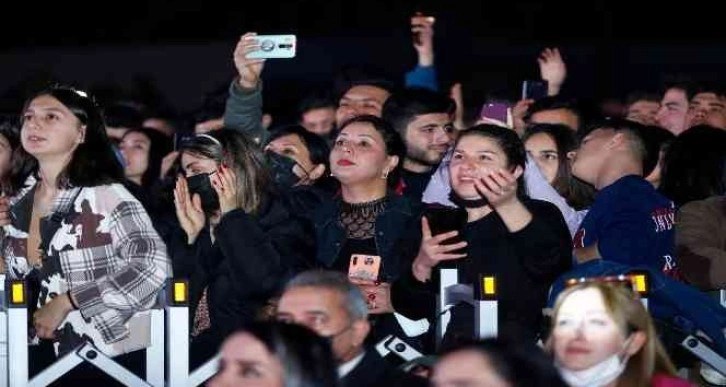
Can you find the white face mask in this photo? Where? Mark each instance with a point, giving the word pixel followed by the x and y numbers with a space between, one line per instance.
pixel 598 375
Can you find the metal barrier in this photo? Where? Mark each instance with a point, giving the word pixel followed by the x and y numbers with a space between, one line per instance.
pixel 483 296
pixel 17 345
pixel 177 329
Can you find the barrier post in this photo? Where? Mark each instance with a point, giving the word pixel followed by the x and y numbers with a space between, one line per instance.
pixel 486 311
pixel 447 277
pixel 17 333
pixel 177 330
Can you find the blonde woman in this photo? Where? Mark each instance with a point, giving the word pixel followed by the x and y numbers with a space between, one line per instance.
pixel 602 336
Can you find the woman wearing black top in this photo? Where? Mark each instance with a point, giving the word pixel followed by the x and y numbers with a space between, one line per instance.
pixel 359 232
pixel 524 242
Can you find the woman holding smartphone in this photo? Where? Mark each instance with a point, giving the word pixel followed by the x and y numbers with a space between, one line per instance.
pixel 523 242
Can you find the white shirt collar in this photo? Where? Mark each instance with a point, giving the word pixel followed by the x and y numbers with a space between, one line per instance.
pixel 345 368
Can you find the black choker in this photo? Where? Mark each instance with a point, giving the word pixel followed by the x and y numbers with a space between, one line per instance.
pixel 467 203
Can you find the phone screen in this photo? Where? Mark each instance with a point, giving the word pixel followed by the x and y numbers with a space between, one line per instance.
pixel 445 219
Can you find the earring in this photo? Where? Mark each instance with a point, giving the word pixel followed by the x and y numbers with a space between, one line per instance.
pixel 384 175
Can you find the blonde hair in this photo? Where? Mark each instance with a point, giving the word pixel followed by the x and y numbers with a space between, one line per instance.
pixel 630 315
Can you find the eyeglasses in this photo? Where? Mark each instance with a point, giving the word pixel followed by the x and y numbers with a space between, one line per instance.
pixel 637 281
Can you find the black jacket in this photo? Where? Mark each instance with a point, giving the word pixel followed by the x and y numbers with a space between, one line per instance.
pixel 249 262
pixel 373 370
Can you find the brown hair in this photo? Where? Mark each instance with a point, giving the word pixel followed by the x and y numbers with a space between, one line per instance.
pixel 243 156
pixel 631 316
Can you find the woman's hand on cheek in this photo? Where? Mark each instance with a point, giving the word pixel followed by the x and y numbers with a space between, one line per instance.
pixel 225 183
pixel 498 187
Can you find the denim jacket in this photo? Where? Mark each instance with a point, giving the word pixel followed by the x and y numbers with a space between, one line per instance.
pixel 392 225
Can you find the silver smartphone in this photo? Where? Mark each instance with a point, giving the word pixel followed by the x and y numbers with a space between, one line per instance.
pixel 274 47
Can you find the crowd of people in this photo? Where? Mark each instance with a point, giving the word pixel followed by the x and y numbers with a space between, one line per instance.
pixel 307 244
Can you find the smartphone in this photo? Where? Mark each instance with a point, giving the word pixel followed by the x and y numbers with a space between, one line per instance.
pixel 534 89
pixel 274 47
pixel 496 111
pixel 364 267
pixel 420 20
pixel 444 219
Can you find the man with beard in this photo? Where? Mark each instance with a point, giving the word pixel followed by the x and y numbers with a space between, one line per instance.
pixel 424 119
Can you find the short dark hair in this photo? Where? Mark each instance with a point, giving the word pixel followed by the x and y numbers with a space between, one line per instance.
pixel 637 96
pixel 519 364
pixel 316 101
pixel 687 86
pixel 318 148
pixel 402 107
pixel 361 75
pixel 708 87
pixel 645 141
pixel 306 358
pixel 391 138
pixel 93 162
pixel 555 103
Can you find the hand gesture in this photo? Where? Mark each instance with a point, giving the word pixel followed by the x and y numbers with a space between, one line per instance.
pixel 47 319
pixel 423 28
pixel 377 295
pixel 433 251
pixel 552 69
pixel 249 70
pixel 518 112
pixel 498 187
pixel 188 210
pixel 225 183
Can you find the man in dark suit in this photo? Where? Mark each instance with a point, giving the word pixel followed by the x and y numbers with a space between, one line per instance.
pixel 329 304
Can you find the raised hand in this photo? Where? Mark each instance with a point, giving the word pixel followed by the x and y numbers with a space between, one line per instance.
pixel 423 28
pixel 552 69
pixel 432 251
pixel 249 70
pixel 188 210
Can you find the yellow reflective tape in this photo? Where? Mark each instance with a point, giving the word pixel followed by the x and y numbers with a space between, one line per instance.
pixel 17 293
pixel 180 292
pixel 489 286
pixel 640 283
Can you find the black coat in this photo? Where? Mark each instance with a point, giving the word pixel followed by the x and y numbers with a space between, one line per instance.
pixel 250 260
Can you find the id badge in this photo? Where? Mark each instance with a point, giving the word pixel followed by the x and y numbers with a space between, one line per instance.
pixel 364 267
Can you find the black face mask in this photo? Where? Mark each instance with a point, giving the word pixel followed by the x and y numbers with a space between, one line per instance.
pixel 282 170
pixel 201 185
pixel 467 203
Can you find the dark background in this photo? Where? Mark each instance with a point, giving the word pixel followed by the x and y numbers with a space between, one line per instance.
pixel 181 50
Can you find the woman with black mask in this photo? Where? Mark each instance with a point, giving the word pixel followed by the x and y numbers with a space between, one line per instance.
pixel 299 163
pixel 238 243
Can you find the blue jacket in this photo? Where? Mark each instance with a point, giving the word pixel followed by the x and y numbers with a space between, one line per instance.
pixel 392 225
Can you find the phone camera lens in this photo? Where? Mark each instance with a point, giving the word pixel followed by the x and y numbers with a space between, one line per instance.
pixel 267 45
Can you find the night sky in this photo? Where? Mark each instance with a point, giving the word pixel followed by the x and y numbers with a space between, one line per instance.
pixel 522 21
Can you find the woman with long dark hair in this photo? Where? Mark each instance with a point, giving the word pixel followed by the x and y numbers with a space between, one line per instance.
pixel 83 244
